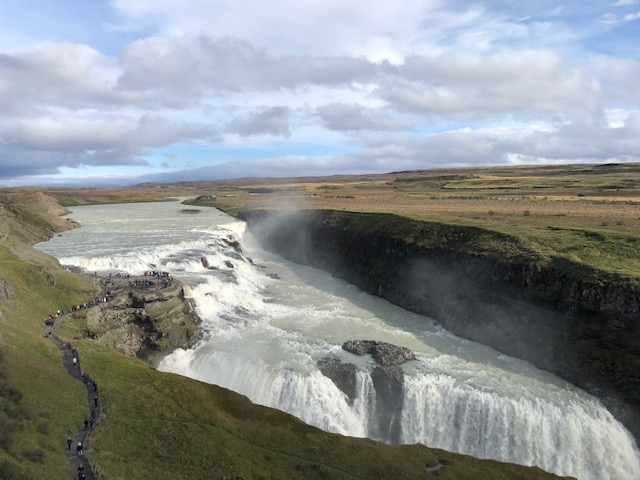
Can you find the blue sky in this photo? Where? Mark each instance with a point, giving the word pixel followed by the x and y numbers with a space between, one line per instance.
pixel 125 91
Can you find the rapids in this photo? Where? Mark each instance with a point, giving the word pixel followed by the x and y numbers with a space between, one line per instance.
pixel 268 322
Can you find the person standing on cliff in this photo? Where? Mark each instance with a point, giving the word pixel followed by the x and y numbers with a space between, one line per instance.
pixel 75 361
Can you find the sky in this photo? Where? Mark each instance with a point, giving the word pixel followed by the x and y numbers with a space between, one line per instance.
pixel 119 92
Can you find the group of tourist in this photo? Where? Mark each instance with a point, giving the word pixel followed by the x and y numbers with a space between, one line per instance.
pixel 89 423
pixel 165 277
pixel 51 318
pixel 107 297
pixel 113 280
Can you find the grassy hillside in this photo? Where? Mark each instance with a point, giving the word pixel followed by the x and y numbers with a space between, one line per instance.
pixel 40 405
pixel 155 425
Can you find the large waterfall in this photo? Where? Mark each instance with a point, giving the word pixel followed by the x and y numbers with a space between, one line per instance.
pixel 269 322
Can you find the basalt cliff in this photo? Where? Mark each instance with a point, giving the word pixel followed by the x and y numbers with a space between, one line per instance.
pixel 580 323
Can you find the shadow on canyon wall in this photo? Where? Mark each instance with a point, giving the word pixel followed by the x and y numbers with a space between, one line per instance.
pixel 586 333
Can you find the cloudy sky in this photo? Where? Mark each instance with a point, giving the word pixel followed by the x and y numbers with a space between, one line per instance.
pixel 115 92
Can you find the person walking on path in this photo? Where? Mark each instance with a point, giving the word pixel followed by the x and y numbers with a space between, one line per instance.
pixel 71 362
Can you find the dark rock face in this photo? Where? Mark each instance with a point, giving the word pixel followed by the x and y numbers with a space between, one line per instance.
pixel 581 324
pixel 383 353
pixel 342 374
pixel 388 382
pixel 233 244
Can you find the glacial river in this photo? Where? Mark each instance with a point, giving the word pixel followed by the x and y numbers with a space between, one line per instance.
pixel 268 322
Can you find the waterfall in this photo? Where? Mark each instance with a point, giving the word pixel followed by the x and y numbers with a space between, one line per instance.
pixel 577 438
pixel 268 322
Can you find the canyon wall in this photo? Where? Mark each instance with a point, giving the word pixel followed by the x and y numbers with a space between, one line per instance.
pixel 564 317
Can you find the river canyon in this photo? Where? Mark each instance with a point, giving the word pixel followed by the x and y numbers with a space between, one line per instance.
pixel 268 323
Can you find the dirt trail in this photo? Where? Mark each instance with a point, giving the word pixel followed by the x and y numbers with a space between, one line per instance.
pixel 94 408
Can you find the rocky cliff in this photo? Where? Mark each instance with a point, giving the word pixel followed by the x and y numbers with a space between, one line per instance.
pixel 579 323
pixel 145 318
pixel 31 217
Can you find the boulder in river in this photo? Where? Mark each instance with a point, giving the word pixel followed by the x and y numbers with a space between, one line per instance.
pixel 385 354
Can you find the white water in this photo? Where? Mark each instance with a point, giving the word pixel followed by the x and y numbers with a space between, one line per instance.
pixel 269 322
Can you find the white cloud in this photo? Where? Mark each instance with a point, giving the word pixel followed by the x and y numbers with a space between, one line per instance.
pixel 503 145
pixel 611 19
pixel 309 81
pixel 187 67
pixel 533 83
pixel 44 144
pixel 619 76
pixel 267 121
pixel 62 74
pixel 315 27
pixel 351 117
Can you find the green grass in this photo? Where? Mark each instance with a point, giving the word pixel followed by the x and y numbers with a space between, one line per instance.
pixel 614 253
pixel 50 406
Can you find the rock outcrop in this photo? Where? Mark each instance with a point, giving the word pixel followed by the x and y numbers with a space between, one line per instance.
pixel 342 374
pixel 387 377
pixel 383 353
pixel 568 318
pixel 147 318
pixel 6 290
pixel 388 383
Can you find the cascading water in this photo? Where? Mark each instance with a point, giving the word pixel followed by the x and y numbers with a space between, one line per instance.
pixel 269 322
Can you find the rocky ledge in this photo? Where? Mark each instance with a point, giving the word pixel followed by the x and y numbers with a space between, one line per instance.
pixel 146 317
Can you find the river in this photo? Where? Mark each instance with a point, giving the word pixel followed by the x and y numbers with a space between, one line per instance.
pixel 267 323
